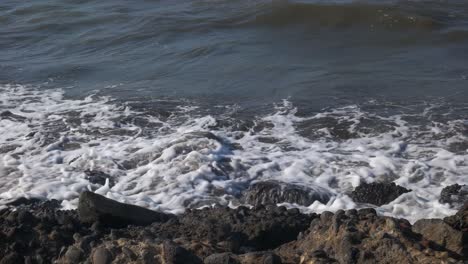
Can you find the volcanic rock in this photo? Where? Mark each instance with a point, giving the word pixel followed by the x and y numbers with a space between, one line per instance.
pixel 364 238
pixel 262 234
pixel 377 193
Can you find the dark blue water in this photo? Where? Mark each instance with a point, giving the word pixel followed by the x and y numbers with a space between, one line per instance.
pixel 251 53
pixel 193 101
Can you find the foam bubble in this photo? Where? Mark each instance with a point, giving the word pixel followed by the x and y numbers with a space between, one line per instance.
pixel 49 144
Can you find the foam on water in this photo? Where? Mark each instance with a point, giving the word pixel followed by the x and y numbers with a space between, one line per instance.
pixel 49 144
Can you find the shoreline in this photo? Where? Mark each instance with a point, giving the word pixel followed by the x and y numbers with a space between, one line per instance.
pixel 105 231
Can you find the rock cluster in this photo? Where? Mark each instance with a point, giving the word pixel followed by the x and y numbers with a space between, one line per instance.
pixel 38 232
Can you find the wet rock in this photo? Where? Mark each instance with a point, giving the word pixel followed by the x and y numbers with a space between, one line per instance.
pixel 257 228
pixel 8 148
pixel 273 192
pixel 377 193
pixel 23 201
pixel 9 115
pixel 25 217
pixel 98 177
pixel 10 258
pixel 455 195
pixel 459 221
pixel 94 207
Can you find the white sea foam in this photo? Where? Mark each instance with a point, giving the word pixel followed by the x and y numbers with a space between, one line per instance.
pixel 185 160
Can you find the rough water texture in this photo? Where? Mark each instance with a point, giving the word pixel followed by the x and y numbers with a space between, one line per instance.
pixel 51 146
pixel 39 233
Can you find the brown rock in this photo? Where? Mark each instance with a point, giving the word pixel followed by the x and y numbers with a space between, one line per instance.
pixel 102 256
pixel 441 233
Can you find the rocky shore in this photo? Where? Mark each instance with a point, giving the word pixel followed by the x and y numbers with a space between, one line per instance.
pixel 104 231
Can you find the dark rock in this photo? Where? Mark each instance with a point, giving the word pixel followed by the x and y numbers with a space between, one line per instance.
pixel 261 257
pixel 459 221
pixel 73 255
pixel 94 207
pixel 11 258
pixel 25 217
pixel 174 254
pixel 247 236
pixel 455 195
pixel 102 256
pixel 221 258
pixel 98 177
pixel 8 148
pixel 273 192
pixel 9 115
pixel 23 201
pixel 294 211
pixel 367 211
pixel 129 253
pixel 377 193
pixel 326 217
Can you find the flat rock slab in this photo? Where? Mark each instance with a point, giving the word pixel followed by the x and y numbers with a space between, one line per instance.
pixel 97 208
pixel 377 193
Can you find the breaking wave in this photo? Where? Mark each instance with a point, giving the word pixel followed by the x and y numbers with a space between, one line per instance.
pixel 52 147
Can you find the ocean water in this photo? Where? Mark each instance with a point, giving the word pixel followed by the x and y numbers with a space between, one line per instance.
pixel 184 104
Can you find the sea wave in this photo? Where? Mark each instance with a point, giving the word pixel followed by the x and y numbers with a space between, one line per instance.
pixel 52 147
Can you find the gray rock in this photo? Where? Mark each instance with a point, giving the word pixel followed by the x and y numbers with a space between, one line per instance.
pixel 221 258
pixel 377 193
pixel 261 257
pixel 174 254
pixel 11 116
pixel 455 195
pixel 98 177
pixel 102 256
pixel 94 207
pixel 273 192
pixel 73 254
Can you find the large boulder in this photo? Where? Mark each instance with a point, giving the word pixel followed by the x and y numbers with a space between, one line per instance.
pixel 93 207
pixel 273 192
pixel 377 193
pixel 455 195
